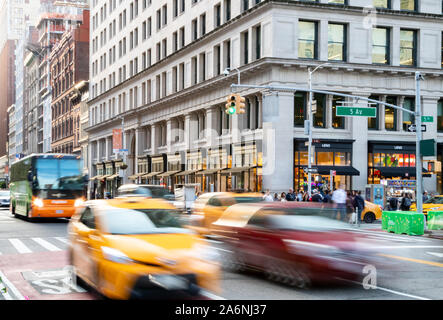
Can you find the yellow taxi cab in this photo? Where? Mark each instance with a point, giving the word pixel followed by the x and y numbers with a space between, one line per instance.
pixel 371 212
pixel 136 248
pixel 209 207
pixel 434 203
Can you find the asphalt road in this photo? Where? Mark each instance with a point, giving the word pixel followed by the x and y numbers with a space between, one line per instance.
pixel 34 265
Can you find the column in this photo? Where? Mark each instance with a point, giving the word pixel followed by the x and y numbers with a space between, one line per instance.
pixel 400 101
pixel 169 134
pixel 187 131
pixel 153 138
pixel 359 132
pixel 98 150
pixel 278 141
pixel 138 133
pixel 211 126
pixel 107 151
pixel 382 113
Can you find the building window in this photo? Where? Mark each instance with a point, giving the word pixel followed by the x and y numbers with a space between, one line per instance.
pixel 373 122
pixel 380 45
pixel 299 109
pixel 408 118
pixel 337 122
pixel 319 118
pixel 408 45
pixel 257 40
pixel 391 115
pixel 307 40
pixel 409 5
pixel 217 15
pixel 336 42
pixel 245 47
pixel 227 10
pixel 440 115
pixel 382 4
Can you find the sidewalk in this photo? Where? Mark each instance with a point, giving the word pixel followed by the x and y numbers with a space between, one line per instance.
pixel 434 234
pixel 376 226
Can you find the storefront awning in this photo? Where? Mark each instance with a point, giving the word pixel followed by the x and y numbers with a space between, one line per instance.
pixel 188 172
pixel 388 172
pixel 150 175
pixel 209 171
pixel 95 178
pixel 339 170
pixel 133 177
pixel 112 177
pixel 168 173
pixel 237 169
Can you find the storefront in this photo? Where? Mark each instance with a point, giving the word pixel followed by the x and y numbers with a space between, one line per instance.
pixel 392 161
pixel 98 187
pixel 158 166
pixel 142 169
pixel 246 175
pixel 174 166
pixel 114 180
pixel 328 156
pixel 195 162
pixel 218 160
pixel 439 174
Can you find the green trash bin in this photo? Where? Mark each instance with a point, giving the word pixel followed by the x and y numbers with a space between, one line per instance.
pixel 435 220
pixel 403 222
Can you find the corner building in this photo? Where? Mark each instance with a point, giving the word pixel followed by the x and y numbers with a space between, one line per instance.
pixel 157 67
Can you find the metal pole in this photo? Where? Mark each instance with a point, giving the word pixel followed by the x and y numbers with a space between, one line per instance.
pixel 310 133
pixel 418 163
pixel 124 147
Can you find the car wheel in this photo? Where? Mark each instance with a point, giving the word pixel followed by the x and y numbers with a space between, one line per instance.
pixel 369 217
pixel 233 261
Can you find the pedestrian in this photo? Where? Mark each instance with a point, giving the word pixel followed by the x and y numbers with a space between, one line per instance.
pixel 276 197
pixel 283 197
pixel 349 201
pixel 305 196
pixel 405 204
pixel 268 197
pixel 359 205
pixel 316 197
pixel 327 197
pixel 339 198
pixel 425 196
pixel 290 196
pixel 393 204
pixel 300 195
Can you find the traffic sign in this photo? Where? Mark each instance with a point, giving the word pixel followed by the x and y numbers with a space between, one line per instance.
pixel 427 119
pixel 356 111
pixel 312 170
pixel 413 128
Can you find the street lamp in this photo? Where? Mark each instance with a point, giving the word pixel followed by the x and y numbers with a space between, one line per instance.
pixel 311 116
pixel 228 71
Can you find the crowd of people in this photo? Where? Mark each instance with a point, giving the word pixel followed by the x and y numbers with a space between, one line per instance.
pixel 346 201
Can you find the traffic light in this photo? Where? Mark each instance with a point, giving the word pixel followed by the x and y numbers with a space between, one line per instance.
pixel 240 104
pixel 433 166
pixel 231 105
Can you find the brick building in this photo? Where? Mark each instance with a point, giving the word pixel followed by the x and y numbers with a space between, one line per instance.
pixel 69 66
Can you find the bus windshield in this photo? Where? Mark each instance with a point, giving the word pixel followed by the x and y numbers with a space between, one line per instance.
pixel 59 174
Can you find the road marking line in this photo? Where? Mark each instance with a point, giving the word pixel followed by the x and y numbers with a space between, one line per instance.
pixel 211 295
pixel 11 287
pixel 437 254
pixel 46 244
pixel 403 247
pixel 20 246
pixel 431 263
pixel 64 240
pixel 388 290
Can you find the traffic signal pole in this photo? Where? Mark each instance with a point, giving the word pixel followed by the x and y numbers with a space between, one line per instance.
pixel 418 162
pixel 311 115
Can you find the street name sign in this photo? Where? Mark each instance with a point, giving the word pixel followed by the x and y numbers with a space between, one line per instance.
pixel 356 111
pixel 413 128
pixel 427 119
pixel 312 170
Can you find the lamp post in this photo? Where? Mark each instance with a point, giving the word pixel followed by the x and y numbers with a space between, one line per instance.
pixel 228 70
pixel 311 116
pixel 418 162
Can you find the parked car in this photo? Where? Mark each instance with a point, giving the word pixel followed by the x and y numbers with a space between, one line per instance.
pixel 434 203
pixel 136 248
pixel 371 212
pixel 291 243
pixel 148 191
pixel 5 198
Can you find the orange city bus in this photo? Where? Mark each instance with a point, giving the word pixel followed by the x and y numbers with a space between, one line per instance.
pixel 47 185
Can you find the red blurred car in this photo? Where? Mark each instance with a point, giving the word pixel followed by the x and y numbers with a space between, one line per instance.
pixel 295 243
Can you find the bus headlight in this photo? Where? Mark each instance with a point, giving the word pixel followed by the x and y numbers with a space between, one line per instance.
pixel 38 202
pixel 78 202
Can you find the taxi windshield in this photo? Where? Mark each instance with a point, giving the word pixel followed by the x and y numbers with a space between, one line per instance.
pixel 249 199
pixel 434 200
pixel 142 221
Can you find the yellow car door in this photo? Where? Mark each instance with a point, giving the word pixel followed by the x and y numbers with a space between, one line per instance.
pixel 213 210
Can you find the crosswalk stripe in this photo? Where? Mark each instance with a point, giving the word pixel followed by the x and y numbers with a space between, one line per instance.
pixel 64 240
pixel 19 246
pixel 45 244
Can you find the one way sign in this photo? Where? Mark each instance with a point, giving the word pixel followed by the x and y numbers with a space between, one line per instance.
pixel 413 128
